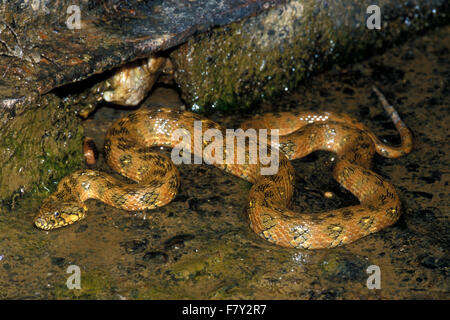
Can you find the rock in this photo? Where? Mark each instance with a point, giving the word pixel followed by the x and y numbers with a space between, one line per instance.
pixel 155 256
pixel 39 144
pixel 344 268
pixel 435 263
pixel 135 246
pixel 258 58
pixel 177 241
pixel 58 261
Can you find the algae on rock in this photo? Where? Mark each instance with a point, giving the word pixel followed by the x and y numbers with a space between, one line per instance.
pixel 40 142
pixel 235 66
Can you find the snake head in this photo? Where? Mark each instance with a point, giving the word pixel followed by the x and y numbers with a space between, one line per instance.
pixel 55 215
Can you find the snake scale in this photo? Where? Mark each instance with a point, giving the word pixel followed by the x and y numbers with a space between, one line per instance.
pixel 129 150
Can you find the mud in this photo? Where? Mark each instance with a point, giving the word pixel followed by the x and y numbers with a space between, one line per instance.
pixel 200 246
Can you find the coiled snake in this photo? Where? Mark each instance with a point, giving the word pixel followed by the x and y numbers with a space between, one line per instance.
pixel 128 150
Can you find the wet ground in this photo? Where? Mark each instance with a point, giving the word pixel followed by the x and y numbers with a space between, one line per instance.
pixel 201 247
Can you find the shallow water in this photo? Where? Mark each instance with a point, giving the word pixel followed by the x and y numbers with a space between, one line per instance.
pixel 201 247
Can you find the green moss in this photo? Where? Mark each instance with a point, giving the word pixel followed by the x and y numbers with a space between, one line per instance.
pixel 235 67
pixel 239 65
pixel 57 166
pixel 331 264
pixel 40 145
pixel 202 275
pixel 94 285
pixel 217 260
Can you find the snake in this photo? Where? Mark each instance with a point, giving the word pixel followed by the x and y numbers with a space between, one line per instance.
pixel 129 150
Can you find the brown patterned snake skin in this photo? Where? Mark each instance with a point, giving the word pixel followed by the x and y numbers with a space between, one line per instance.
pixel 128 151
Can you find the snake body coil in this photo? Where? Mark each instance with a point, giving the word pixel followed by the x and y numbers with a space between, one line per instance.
pixel 128 150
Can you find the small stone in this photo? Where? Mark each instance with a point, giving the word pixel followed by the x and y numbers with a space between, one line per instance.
pixel 177 241
pixel 58 261
pixel 135 246
pixel 155 256
pixel 434 263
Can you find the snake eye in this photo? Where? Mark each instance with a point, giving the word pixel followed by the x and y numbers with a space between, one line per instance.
pixel 56 213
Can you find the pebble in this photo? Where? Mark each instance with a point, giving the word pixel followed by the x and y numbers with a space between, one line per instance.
pixel 155 256
pixel 135 246
pixel 177 241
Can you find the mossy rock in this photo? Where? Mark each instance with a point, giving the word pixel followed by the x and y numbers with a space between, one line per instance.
pixel 236 66
pixel 40 143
